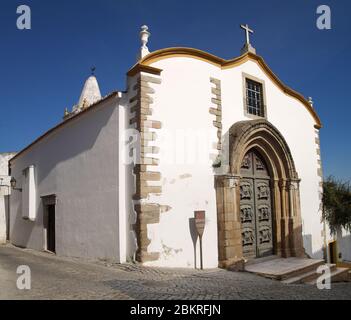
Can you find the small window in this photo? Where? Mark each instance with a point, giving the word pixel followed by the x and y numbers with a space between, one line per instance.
pixel 254 98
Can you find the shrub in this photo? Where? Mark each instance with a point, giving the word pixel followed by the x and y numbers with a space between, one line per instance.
pixel 337 204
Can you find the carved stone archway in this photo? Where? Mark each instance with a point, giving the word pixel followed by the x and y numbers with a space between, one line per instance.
pixel 268 141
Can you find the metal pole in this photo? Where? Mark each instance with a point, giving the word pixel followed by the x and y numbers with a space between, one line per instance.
pixel 201 262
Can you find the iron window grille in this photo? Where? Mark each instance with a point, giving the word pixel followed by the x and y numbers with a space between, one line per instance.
pixel 254 98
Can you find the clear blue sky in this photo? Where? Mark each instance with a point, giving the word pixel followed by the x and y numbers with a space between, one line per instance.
pixel 43 70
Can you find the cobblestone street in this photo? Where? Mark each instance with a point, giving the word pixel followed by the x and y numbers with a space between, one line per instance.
pixel 66 278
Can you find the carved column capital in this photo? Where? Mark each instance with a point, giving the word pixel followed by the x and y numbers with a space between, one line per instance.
pixel 227 181
pixel 282 184
pixel 293 184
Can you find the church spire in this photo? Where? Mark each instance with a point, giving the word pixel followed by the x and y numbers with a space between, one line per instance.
pixel 90 93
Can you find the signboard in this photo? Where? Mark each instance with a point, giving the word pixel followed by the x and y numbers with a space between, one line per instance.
pixel 200 222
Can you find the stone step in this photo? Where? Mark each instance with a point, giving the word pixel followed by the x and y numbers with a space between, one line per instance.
pixel 284 268
pixel 311 267
pixel 260 260
pixel 337 275
pixel 307 276
pixel 314 276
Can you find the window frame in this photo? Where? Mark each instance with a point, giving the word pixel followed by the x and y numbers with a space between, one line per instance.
pixel 246 77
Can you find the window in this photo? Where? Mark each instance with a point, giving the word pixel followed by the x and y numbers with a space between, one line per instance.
pixel 254 98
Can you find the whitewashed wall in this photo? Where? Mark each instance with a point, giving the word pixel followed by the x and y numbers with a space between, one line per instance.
pixel 5 192
pixel 182 103
pixel 79 164
pixel 344 245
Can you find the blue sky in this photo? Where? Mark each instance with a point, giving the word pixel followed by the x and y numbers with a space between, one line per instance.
pixel 43 69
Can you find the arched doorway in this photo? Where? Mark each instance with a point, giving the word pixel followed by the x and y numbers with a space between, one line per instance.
pixel 256 206
pixel 274 188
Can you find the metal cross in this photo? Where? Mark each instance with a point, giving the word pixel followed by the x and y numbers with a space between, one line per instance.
pixel 248 31
pixel 93 71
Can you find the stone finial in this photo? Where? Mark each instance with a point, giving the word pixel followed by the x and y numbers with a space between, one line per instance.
pixel 310 101
pixel 144 37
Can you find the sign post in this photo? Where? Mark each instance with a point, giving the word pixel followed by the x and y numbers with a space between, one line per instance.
pixel 200 227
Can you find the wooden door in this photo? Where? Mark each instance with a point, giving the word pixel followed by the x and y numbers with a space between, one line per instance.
pixel 256 207
pixel 51 232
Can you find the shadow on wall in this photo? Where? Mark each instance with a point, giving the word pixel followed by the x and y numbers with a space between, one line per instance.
pixel 319 254
pixel 194 237
pixel 344 246
pixel 21 239
pixel 307 243
pixel 82 135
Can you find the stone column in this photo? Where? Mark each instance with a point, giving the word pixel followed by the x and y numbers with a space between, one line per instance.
pixel 295 223
pixel 277 236
pixel 228 220
pixel 284 220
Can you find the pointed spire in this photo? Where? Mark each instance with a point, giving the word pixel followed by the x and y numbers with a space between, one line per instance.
pixel 90 93
pixel 144 38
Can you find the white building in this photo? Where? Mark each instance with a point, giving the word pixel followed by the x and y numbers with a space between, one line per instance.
pixel 204 134
pixel 5 192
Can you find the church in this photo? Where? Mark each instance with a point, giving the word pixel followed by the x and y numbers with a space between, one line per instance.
pixel 122 176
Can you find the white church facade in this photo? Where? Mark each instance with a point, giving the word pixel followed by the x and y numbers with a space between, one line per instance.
pixel 122 175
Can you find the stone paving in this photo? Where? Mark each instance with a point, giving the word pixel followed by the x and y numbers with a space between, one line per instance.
pixel 69 278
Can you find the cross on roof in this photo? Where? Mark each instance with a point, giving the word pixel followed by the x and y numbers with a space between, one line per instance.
pixel 247 31
pixel 93 70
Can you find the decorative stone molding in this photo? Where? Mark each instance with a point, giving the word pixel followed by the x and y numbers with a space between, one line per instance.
pixel 287 223
pixel 146 177
pixel 216 110
pixel 228 220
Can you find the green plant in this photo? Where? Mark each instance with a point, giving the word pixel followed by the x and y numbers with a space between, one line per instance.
pixel 337 204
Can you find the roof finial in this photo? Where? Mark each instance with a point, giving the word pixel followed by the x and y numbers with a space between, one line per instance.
pixel 93 68
pixel 144 37
pixel 310 101
pixel 247 47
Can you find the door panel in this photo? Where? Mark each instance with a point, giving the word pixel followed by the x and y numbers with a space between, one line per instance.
pixel 247 213
pixel 263 218
pixel 255 207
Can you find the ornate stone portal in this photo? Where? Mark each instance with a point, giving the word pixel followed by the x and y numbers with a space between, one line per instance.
pixel 269 202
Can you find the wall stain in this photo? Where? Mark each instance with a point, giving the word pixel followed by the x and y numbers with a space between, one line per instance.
pixel 168 251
